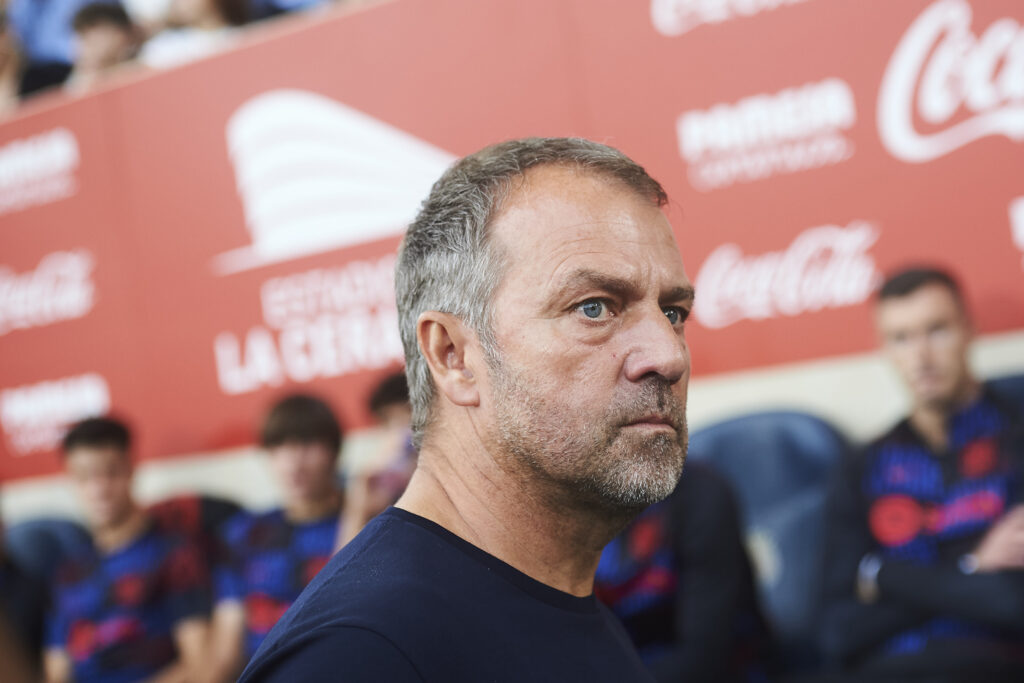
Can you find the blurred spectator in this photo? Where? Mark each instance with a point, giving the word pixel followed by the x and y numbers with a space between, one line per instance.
pixel 136 607
pixel 105 39
pixel 197 28
pixel 10 68
pixel 381 481
pixel 44 32
pixel 679 579
pixel 925 543
pixel 22 604
pixel 268 558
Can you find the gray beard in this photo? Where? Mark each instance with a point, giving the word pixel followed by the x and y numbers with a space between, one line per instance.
pixel 592 461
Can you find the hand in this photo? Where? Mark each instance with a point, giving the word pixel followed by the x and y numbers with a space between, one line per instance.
pixel 1003 545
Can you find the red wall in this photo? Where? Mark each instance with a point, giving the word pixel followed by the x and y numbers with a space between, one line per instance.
pixel 183 248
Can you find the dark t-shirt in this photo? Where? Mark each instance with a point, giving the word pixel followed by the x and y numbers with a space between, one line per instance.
pixel 409 601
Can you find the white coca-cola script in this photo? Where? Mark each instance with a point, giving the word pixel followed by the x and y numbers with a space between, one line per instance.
pixel 59 288
pixel 967 87
pixel 824 267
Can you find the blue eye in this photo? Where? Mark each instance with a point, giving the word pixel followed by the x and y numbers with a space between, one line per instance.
pixel 675 314
pixel 593 308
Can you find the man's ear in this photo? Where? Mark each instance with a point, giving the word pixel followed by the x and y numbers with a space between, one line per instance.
pixel 449 346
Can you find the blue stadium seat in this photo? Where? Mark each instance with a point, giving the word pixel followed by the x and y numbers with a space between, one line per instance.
pixel 779 464
pixel 38 546
pixel 1011 386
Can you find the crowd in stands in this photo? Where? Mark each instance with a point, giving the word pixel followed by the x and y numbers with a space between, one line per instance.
pixel 922 569
pixel 76 44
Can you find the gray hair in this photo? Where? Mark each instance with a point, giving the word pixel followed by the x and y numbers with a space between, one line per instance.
pixel 447 262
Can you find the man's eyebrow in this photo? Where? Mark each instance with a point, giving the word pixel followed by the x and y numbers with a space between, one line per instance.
pixel 680 293
pixel 620 286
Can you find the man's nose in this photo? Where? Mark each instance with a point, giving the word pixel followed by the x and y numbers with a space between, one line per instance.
pixel 656 347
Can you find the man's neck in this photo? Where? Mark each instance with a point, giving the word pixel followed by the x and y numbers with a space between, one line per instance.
pixel 931 420
pixel 469 495
pixel 119 534
pixel 309 510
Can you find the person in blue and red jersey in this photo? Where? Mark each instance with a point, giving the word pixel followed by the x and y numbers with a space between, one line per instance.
pixel 270 557
pixel 680 580
pixel 136 606
pixel 925 546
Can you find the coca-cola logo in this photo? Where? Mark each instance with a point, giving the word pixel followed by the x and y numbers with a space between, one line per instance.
pixel 824 267
pixel 676 17
pixel 59 288
pixel 958 86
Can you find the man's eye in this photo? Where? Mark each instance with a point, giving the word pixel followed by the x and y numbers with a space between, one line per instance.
pixel 675 314
pixel 593 308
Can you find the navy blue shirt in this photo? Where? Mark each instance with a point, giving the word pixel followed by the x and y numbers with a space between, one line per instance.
pixel 408 600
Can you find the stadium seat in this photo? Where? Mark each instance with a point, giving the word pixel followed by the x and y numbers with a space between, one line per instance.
pixel 778 464
pixel 1011 386
pixel 39 545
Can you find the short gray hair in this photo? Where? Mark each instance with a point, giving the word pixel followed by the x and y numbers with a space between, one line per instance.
pixel 447 262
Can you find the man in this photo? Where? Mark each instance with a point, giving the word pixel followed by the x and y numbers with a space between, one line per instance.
pixel 926 533
pixel 269 557
pixel 136 607
pixel 382 478
pixel 541 302
pixel 105 38
pixel 680 580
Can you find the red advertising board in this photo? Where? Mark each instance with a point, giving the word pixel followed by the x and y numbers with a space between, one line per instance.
pixel 185 247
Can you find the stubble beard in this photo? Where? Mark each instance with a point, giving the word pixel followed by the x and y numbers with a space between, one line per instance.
pixel 592 460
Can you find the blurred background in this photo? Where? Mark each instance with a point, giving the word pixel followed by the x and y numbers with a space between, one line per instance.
pixel 200 200
pixel 182 242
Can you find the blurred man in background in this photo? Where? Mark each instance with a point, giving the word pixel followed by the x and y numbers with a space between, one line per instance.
pixel 135 608
pixel 270 557
pixel 925 546
pixel 380 481
pixel 680 580
pixel 105 39
pixel 541 301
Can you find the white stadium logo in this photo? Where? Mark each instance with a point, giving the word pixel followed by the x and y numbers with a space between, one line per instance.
pixel 315 175
pixel 952 71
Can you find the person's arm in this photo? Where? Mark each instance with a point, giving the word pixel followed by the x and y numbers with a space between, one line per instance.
pixel 227 636
pixel 190 637
pixel 16 666
pixel 993 594
pixel 714 578
pixel 851 628
pixel 56 666
pixel 366 657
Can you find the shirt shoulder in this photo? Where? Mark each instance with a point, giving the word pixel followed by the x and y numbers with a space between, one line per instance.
pixel 368 656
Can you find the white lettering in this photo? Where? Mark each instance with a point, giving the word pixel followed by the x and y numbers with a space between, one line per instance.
pixel 60 288
pixel 952 71
pixel 824 267
pixel 676 17
pixel 34 417
pixel 768 134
